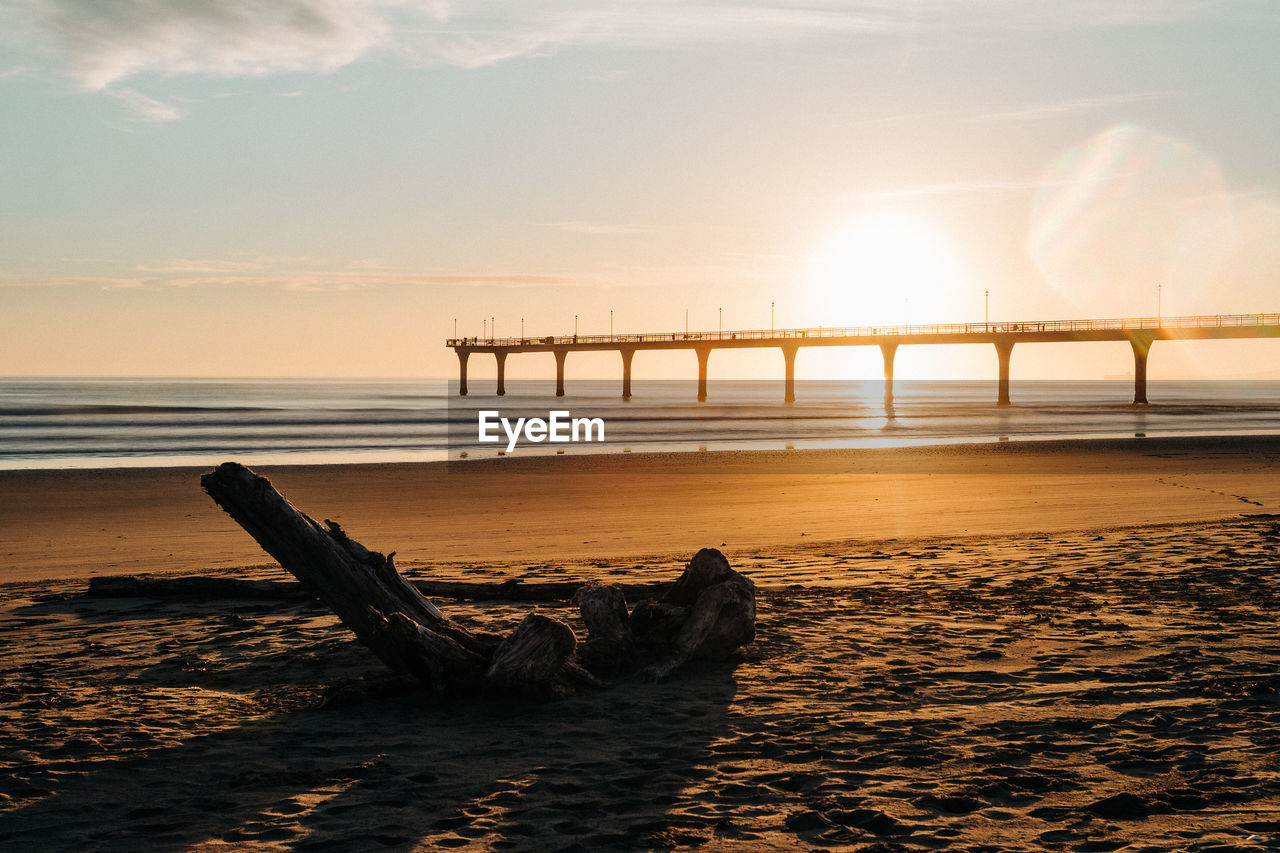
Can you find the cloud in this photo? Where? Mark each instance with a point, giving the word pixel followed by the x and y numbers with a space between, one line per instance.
pixel 103 42
pixel 502 31
pixel 541 29
pixel 947 188
pixel 213 267
pixel 1055 109
pixel 576 227
pixel 288 274
pixel 984 186
pixel 103 282
pixel 144 107
pixel 1028 112
pixel 302 274
pixel 337 280
pixel 350 279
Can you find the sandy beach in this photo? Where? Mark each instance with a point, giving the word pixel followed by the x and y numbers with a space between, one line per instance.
pixel 77 523
pixel 1002 647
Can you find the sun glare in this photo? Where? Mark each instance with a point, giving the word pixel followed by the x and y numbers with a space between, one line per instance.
pixel 883 269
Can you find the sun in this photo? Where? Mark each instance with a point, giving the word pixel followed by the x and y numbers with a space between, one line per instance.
pixel 884 269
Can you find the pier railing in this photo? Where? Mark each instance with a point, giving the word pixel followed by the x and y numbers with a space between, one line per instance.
pixel 1125 324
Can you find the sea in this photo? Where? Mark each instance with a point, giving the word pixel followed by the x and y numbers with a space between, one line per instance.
pixel 100 423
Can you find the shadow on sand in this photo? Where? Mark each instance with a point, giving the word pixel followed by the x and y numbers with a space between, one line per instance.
pixel 600 771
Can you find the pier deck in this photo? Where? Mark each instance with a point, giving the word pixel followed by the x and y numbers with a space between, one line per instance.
pixel 1140 332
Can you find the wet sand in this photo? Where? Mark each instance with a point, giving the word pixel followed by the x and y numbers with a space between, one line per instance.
pixel 56 524
pixel 1091 678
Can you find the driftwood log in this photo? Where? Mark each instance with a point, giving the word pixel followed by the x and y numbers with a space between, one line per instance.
pixel 709 612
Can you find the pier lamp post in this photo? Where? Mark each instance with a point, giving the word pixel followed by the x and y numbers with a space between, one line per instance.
pixel 722 321
pixel 986 312
pixel 771 318
pixel 455 328
pixel 522 328
pixel 611 322
pixel 484 328
pixel 493 328
pixel 575 325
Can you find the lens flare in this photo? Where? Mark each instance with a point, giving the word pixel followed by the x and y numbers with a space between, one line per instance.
pixel 1129 209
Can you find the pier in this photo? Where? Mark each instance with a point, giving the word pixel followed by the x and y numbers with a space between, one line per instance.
pixel 1141 333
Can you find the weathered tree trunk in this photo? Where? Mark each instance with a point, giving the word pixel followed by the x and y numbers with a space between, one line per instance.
pixel 405 630
pixel 610 646
pixel 537 661
pixel 708 612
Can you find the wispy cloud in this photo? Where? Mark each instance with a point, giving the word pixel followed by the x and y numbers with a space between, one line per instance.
pixel 538 29
pixel 288 274
pixel 596 228
pixel 198 266
pixel 1041 111
pixel 980 187
pixel 103 42
pixel 143 107
pixel 947 188
pixel 103 282
pixel 300 274
pixel 1057 109
pixel 338 280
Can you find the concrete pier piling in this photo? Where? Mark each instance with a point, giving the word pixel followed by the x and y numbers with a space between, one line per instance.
pixel 888 351
pixel 1004 350
pixel 789 388
pixel 626 372
pixel 1141 349
pixel 561 354
pixel 463 355
pixel 704 353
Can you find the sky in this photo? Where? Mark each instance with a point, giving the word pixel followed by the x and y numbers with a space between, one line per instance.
pixel 325 187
